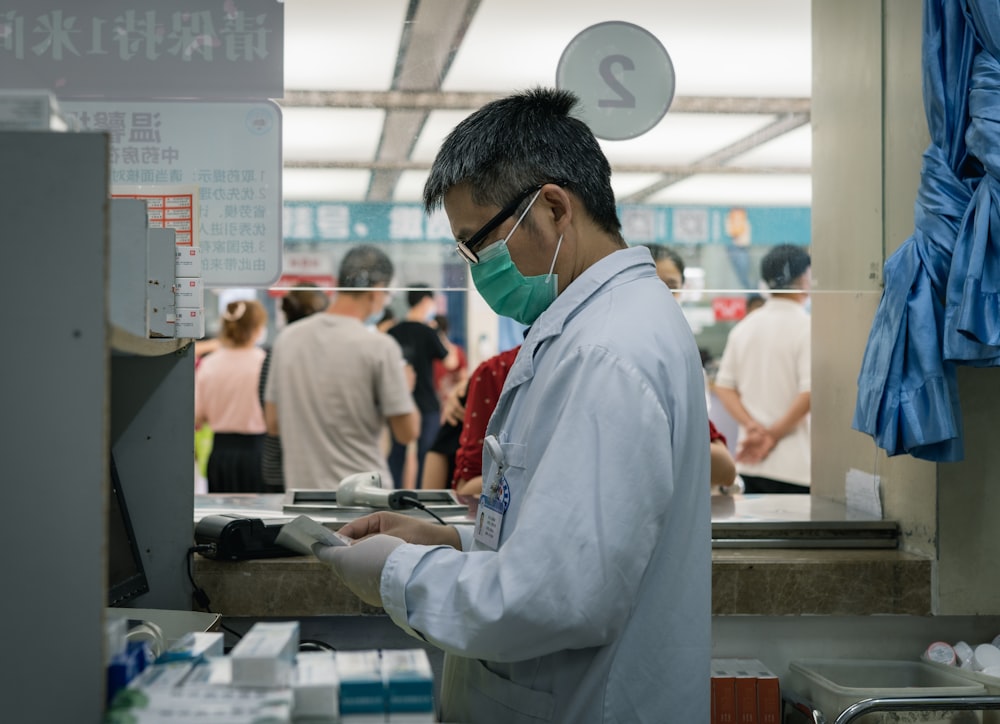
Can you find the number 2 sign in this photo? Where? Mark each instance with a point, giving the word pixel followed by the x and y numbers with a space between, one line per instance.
pixel 623 76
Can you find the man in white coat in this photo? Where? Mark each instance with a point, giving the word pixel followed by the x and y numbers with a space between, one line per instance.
pixel 585 595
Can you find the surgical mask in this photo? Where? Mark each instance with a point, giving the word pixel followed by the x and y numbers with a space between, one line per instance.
pixel 508 292
pixel 372 319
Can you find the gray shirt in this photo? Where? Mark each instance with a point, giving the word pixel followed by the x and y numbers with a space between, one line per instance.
pixel 334 383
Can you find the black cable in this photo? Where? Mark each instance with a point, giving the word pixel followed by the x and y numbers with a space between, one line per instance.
pixel 225 628
pixel 414 503
pixel 199 594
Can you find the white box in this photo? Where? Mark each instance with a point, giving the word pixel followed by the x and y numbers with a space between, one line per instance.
pixel 315 685
pixel 187 261
pixel 189 323
pixel 189 292
pixel 266 654
pixel 832 685
pixel 195 644
pixel 408 681
pixel 362 692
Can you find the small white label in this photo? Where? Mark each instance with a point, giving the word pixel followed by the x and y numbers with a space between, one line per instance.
pixel 863 493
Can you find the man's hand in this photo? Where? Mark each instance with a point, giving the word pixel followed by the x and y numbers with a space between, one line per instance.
pixel 405 527
pixel 757 445
pixel 360 565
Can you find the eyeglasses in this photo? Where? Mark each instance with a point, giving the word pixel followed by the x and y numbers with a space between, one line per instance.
pixel 468 248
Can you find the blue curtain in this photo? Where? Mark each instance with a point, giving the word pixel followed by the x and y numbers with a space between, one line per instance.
pixel 939 306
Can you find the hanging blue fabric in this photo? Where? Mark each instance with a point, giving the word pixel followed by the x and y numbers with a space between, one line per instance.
pixel 935 285
pixel 972 321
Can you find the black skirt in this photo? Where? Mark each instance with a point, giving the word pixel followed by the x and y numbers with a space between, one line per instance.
pixel 235 464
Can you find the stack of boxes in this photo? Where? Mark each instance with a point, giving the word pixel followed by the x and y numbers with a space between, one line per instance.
pixel 744 691
pixel 266 678
pixel 189 294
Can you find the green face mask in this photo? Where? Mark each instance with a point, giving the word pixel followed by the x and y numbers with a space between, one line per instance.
pixel 508 292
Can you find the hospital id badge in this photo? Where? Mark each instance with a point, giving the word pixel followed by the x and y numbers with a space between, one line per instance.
pixel 492 505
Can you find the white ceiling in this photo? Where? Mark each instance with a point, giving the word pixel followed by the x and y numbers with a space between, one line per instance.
pixel 743 77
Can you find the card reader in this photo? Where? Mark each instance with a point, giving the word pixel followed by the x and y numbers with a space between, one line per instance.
pixel 234 537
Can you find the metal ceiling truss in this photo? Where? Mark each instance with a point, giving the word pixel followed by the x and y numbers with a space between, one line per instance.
pixel 432 33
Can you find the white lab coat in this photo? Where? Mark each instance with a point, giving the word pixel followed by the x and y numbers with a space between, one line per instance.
pixel 597 605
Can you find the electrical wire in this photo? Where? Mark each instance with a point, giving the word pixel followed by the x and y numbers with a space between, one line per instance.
pixel 315 645
pixel 228 630
pixel 199 593
pixel 414 503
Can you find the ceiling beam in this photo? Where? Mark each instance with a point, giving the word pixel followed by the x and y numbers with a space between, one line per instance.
pixel 686 169
pixel 450 101
pixel 433 28
pixel 781 126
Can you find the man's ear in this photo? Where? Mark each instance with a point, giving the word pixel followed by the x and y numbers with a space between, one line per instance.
pixel 560 205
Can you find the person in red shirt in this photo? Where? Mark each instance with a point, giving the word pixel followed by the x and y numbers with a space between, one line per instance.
pixel 482 394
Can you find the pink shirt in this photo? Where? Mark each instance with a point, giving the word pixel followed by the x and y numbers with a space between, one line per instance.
pixel 225 391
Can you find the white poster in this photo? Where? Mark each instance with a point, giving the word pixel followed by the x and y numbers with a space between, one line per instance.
pixel 230 152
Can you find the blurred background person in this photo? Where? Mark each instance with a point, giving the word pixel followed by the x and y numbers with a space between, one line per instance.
pixel 764 378
pixel 298 303
pixel 445 379
pixel 225 399
pixel 421 345
pixel 334 382
pixel 669 265
pixel 387 321
pixel 455 459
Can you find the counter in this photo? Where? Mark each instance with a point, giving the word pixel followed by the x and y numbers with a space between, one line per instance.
pixel 772 555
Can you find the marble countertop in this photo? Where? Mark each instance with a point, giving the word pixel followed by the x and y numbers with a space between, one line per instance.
pixel 773 555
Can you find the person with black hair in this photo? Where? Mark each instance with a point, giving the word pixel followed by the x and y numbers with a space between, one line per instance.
pixel 335 383
pixel 586 595
pixel 764 378
pixel 421 345
pixel 669 265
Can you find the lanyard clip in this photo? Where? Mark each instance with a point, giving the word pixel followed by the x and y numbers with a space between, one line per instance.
pixel 494 450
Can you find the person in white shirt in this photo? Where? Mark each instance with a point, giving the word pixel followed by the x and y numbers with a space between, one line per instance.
pixel 764 379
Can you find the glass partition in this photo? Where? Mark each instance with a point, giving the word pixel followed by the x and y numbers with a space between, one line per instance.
pixel 369 96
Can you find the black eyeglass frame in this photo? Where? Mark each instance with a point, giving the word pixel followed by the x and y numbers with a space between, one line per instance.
pixel 468 248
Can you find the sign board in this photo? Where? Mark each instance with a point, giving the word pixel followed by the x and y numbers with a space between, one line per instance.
pixel 144 48
pixel 641 223
pixel 304 266
pixel 623 76
pixel 729 309
pixel 230 151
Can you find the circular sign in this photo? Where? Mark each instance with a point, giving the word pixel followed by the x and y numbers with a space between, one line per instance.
pixel 623 76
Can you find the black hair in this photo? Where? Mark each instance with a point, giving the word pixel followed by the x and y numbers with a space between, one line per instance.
pixel 661 252
pixel 303 300
pixel 418 293
pixel 783 264
pixel 523 140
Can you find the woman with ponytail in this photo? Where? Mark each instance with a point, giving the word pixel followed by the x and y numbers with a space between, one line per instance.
pixel 225 398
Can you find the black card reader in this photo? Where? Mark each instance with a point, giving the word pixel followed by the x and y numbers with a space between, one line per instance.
pixel 232 537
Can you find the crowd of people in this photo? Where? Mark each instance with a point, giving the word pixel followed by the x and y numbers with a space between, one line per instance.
pixel 762 387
